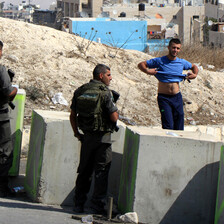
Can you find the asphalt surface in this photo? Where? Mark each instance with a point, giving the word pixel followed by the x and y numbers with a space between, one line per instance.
pixel 21 210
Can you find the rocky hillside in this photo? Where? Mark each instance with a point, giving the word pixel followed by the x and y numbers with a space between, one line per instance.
pixel 48 61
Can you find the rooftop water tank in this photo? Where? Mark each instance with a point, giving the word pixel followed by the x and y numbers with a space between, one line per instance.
pixel 141 7
pixel 122 14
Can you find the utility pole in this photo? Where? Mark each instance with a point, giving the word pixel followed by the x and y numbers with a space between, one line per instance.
pixel 29 11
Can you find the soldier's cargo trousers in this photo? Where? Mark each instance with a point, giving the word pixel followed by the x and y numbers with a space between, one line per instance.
pixel 6 154
pixel 95 157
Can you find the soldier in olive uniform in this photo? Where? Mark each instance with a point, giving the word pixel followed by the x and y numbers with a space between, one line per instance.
pixel 93 111
pixel 7 94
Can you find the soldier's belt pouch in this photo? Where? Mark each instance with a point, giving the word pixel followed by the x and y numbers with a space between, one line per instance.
pixel 4 111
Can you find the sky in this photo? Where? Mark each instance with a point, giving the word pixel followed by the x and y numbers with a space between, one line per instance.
pixel 44 4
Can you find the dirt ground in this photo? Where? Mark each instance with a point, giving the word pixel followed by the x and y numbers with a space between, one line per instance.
pixel 47 61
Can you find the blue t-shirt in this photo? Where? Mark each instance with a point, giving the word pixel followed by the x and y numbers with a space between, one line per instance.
pixel 169 70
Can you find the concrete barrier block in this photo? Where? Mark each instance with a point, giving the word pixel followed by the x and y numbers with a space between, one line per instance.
pixel 214 130
pixel 115 170
pixel 169 176
pixel 222 131
pixel 202 129
pixel 16 122
pixel 219 213
pixel 211 131
pixel 191 128
pixel 53 159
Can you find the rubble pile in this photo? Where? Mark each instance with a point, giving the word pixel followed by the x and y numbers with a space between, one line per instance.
pixel 50 63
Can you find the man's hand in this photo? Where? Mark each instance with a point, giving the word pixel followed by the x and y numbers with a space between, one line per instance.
pixel 151 71
pixel 143 67
pixel 193 73
pixel 190 75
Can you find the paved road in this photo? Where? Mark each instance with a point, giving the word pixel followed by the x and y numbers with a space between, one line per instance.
pixel 20 210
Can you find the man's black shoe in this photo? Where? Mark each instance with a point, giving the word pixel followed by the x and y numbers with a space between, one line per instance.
pixel 78 209
pixel 7 193
pixel 95 209
pixel 3 194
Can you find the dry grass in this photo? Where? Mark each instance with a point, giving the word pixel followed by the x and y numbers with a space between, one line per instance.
pixel 200 54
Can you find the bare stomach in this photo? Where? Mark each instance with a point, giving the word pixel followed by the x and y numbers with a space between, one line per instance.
pixel 168 88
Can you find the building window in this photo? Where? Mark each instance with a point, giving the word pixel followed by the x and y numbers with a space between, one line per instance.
pixel 174 17
pixel 195 17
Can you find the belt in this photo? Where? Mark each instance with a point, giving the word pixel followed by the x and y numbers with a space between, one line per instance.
pixel 4 111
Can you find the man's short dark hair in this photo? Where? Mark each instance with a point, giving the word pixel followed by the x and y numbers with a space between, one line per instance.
pixel 1 44
pixel 175 41
pixel 100 68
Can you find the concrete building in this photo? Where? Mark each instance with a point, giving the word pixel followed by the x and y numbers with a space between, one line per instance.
pixel 214 11
pixel 197 34
pixel 173 14
pixel 22 11
pixel 80 8
pixel 181 13
pixel 44 17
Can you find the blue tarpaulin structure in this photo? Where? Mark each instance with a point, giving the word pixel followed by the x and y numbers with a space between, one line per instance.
pixel 128 34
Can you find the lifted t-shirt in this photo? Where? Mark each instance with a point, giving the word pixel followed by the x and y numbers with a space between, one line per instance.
pixel 169 70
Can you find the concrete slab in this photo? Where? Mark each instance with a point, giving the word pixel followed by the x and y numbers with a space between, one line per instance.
pixel 20 210
pixel 53 159
pixel 169 176
pixel 17 116
pixel 219 213
pixel 217 131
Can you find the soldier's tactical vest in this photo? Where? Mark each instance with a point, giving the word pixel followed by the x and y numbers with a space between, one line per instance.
pixel 89 101
pixel 4 115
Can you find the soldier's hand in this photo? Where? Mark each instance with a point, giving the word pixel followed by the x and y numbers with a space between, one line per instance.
pixel 116 95
pixel 79 136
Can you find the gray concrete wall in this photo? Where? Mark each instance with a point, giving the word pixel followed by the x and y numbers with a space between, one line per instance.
pixel 197 31
pixel 53 159
pixel 211 10
pixel 219 213
pixel 188 13
pixel 169 179
pixel 16 122
pixel 216 38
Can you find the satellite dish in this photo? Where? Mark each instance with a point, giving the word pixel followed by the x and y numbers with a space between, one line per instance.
pixel 83 14
pixel 103 14
pixel 115 12
pixel 210 23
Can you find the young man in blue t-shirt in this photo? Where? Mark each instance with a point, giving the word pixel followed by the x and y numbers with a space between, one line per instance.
pixel 168 70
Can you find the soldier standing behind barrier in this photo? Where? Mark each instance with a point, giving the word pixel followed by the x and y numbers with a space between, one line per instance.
pixel 94 112
pixel 168 70
pixel 7 94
